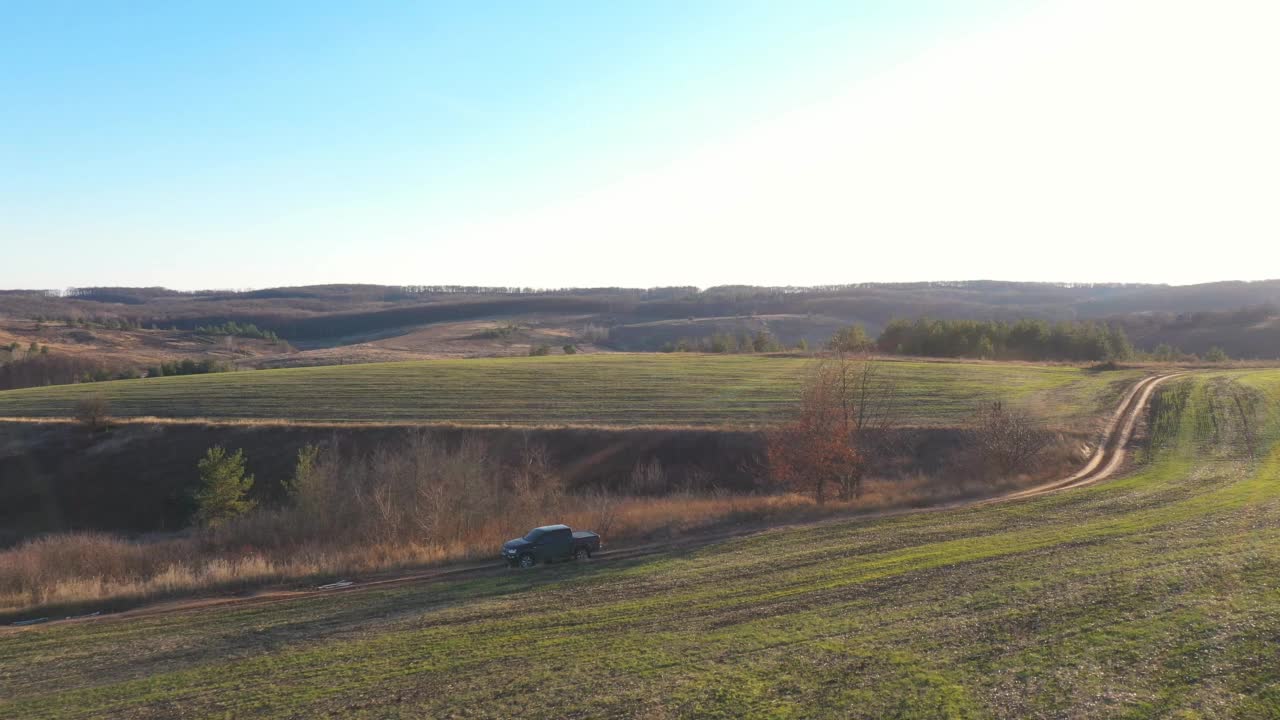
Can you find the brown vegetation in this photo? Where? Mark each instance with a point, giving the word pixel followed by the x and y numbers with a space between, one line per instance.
pixel 845 412
pixel 815 450
pixel 93 412
pixel 415 503
pixel 1008 439
pixel 72 353
pixel 39 369
pixel 141 477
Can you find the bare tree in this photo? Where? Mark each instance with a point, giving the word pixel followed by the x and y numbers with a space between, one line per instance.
pixel 846 409
pixel 93 411
pixel 533 471
pixel 871 408
pixel 648 478
pixel 696 480
pixel 1009 438
pixel 811 453
pixel 604 509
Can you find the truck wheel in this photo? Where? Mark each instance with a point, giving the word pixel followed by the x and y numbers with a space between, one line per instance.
pixel 526 560
pixel 581 554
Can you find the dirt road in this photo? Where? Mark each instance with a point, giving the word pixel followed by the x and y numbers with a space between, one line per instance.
pixel 1109 455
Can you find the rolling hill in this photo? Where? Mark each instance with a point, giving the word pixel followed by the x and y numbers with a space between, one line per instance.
pixel 337 316
pixel 1153 595
pixel 622 389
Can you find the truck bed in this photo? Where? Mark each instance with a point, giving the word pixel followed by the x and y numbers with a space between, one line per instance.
pixel 590 539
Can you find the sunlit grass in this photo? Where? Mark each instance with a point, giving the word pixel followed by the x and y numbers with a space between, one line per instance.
pixel 597 389
pixel 1156 595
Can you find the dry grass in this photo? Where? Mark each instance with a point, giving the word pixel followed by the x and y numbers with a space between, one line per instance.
pixel 423 502
pixel 80 571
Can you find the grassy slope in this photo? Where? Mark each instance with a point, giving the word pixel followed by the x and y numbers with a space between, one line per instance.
pixel 1155 595
pixel 602 389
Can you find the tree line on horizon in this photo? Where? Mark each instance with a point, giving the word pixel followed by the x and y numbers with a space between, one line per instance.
pixel 1028 339
pixel 983 340
pixel 993 340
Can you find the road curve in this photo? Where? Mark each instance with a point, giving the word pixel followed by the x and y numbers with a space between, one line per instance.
pixel 1105 462
pixel 1109 455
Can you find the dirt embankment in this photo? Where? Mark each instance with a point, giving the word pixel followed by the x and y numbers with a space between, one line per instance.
pixel 139 477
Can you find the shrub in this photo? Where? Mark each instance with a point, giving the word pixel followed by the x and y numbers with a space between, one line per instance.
pixel 1008 438
pixel 595 334
pixel 93 412
pixel 852 339
pixel 648 478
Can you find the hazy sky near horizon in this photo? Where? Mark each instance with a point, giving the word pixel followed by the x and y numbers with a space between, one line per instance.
pixel 552 144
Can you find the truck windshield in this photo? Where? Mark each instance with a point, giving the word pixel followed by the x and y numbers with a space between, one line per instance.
pixel 534 535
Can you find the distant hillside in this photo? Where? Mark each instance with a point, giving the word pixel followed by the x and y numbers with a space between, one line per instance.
pixel 647 319
pixel 1246 333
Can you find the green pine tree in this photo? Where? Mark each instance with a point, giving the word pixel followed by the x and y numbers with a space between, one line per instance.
pixel 223 487
pixel 303 471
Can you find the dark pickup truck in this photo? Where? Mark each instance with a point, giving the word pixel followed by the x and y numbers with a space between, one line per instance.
pixel 548 544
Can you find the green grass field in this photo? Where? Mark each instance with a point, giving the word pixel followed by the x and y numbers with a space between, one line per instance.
pixel 598 389
pixel 1153 595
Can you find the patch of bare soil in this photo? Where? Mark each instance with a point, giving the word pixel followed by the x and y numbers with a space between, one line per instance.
pixel 133 348
pixel 475 338
pixel 122 349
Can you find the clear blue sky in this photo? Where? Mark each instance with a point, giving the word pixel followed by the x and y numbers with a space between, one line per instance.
pixel 239 144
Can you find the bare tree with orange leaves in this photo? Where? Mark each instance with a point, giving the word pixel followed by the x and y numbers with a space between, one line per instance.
pixel 845 407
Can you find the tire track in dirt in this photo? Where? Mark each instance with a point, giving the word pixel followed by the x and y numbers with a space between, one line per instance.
pixel 1104 463
pixel 1109 456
